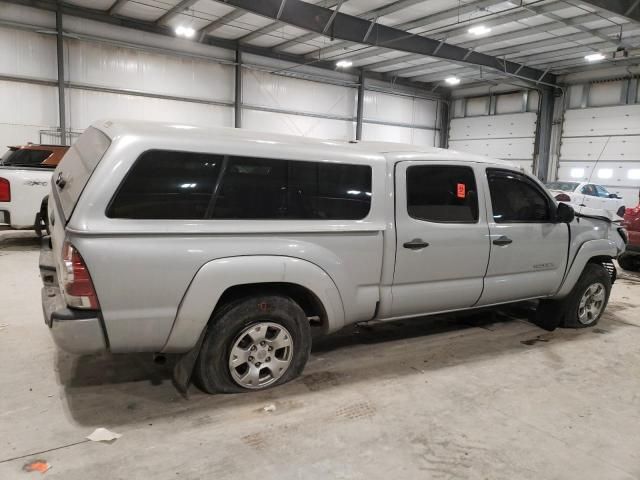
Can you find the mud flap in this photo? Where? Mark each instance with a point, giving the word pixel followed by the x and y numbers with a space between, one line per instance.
pixel 183 369
pixel 548 315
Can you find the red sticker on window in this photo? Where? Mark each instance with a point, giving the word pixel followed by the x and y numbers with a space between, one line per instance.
pixel 462 191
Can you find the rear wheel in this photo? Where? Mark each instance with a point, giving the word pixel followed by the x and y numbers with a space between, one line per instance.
pixel 253 344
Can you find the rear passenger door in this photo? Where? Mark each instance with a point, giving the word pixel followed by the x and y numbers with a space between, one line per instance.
pixel 442 245
pixel 528 249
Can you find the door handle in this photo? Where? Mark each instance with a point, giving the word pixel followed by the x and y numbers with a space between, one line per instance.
pixel 502 241
pixel 415 244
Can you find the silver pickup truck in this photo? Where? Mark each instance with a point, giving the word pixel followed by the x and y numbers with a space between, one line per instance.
pixel 234 248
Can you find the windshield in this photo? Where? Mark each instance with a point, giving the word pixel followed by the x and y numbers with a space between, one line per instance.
pixel 564 186
pixel 7 156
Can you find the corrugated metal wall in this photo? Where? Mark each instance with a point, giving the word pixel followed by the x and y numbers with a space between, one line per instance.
pixel 160 78
pixel 500 126
pixel 601 137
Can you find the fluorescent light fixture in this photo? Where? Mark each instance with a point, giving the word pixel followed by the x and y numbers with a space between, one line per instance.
pixel 577 172
pixel 452 80
pixel 594 57
pixel 634 174
pixel 479 30
pixel 344 63
pixel 185 31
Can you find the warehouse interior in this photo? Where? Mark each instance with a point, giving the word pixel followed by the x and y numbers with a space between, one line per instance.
pixel 549 85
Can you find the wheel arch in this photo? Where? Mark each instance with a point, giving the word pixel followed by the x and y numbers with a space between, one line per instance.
pixel 599 251
pixel 226 279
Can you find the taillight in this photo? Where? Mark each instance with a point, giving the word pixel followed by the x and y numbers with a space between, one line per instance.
pixel 76 281
pixel 5 190
pixel 563 197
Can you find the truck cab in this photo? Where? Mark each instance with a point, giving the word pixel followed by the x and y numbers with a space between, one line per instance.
pixel 233 248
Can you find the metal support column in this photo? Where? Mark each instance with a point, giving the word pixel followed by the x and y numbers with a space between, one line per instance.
pixel 445 120
pixel 60 60
pixel 360 110
pixel 543 133
pixel 238 93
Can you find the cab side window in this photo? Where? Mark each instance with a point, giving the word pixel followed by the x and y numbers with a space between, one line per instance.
pixel 440 193
pixel 517 199
pixel 590 190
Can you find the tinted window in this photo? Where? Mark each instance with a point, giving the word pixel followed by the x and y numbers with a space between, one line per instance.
pixel 442 194
pixel 167 185
pixel 26 158
pixel 590 190
pixel 515 198
pixel 258 188
pixel 602 192
pixel 181 185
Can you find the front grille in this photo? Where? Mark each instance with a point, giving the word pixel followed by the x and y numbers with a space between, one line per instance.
pixel 611 270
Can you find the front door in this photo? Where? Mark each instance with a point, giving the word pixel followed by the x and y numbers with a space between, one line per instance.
pixel 442 243
pixel 528 249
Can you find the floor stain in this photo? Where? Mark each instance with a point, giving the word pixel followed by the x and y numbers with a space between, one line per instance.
pixel 356 410
pixel 321 380
pixel 539 338
pixel 255 440
pixel 600 330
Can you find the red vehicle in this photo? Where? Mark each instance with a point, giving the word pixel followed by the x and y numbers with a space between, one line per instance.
pixel 630 259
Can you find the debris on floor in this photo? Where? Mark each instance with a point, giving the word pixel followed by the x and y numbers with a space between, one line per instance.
pixel 3 326
pixel 36 466
pixel 269 408
pixel 103 435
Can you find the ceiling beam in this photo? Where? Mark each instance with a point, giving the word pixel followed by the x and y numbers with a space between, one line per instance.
pixel 221 22
pixel 347 27
pixel 175 11
pixel 115 8
pixel 152 27
pixel 372 15
pixel 338 47
pixel 629 9
pixel 273 26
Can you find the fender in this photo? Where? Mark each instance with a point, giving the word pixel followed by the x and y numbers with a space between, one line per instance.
pixel 588 250
pixel 214 277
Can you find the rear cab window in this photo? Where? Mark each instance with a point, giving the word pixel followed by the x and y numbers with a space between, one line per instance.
pixel 75 169
pixel 24 157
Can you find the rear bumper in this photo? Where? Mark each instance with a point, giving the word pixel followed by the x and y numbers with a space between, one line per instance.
pixel 5 217
pixel 75 331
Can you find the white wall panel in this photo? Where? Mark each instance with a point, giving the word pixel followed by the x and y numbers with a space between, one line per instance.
pixel 493 126
pixel 85 107
pixel 399 109
pixel 387 133
pixel 126 68
pixel 477 106
pixel 607 149
pixel 607 93
pixel 276 91
pixel 25 110
pixel 297 125
pixel 587 122
pixel 510 103
pixel 27 54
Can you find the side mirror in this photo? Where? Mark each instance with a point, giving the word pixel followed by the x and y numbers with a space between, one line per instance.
pixel 613 195
pixel 565 213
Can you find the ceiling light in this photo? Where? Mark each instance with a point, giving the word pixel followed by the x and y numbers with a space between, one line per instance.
pixel 634 174
pixel 479 30
pixel 344 63
pixel 185 31
pixel 594 57
pixel 452 80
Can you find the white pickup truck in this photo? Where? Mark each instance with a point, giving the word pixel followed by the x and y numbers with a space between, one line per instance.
pixel 232 248
pixel 25 177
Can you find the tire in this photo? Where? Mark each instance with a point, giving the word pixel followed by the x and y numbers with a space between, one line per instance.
pixel 629 262
pixel 267 334
pixel 593 285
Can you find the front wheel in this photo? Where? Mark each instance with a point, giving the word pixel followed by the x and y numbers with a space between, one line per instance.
pixel 588 299
pixel 253 344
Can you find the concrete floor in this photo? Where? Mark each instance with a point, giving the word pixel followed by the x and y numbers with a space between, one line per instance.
pixel 486 397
